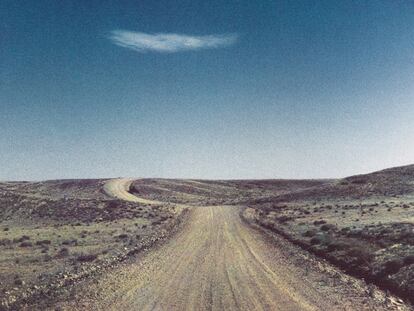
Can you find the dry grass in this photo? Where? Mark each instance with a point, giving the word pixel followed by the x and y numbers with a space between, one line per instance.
pixel 46 240
pixel 364 224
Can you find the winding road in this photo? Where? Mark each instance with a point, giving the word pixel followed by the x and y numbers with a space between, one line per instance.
pixel 119 188
pixel 217 262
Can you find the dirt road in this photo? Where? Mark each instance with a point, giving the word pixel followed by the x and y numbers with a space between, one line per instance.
pixel 118 188
pixel 217 262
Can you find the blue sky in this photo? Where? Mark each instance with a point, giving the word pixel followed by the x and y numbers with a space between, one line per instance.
pixel 205 89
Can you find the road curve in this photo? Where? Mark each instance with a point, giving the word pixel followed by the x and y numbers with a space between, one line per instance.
pixel 216 262
pixel 119 188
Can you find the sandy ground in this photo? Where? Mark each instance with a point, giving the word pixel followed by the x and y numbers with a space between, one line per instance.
pixel 218 262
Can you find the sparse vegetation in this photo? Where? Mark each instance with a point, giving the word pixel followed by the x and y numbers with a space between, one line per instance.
pixel 62 230
pixel 368 234
pixel 50 229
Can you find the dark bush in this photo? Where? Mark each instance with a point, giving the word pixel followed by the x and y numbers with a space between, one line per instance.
pixel 316 240
pixel 114 204
pixel 336 245
pixel 392 266
pixel 362 254
pixel 409 260
pixel 26 244
pixel 5 242
pixel 23 238
pixel 309 233
pixel 43 242
pixel 63 252
pixel 283 219
pixel 327 227
pixel 87 257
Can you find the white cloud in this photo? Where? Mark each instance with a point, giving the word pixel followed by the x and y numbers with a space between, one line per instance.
pixel 169 42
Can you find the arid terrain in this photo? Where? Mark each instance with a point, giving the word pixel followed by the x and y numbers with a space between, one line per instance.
pixel 164 244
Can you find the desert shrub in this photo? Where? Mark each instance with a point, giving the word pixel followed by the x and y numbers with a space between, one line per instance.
pixel 86 257
pixel 336 245
pixel 156 222
pixel 327 227
pixel 63 252
pixel 113 204
pixel 309 233
pixel 356 233
pixel 43 242
pixel 26 244
pixel 22 239
pixel 316 240
pixel 360 253
pixel 6 229
pixel 409 260
pixel 66 242
pixel 319 222
pixel 283 219
pixel 392 266
pixel 4 242
pixel 122 236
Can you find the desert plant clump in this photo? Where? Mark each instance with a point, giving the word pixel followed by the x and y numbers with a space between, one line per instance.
pixel 26 244
pixel 316 240
pixel 63 252
pixel 327 227
pixel 43 242
pixel 392 266
pixel 86 257
pixel 309 233
pixel 409 260
pixel 122 236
